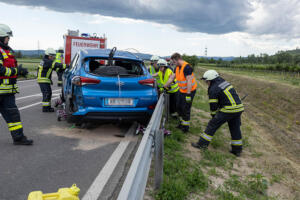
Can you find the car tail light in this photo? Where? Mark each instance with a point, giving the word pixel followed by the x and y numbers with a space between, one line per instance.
pixel 149 82
pixel 80 81
pixel 152 107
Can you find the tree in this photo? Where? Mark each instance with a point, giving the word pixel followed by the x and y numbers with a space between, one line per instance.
pixel 18 54
pixel 192 60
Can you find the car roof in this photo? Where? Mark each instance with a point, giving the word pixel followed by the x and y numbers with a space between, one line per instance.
pixel 105 54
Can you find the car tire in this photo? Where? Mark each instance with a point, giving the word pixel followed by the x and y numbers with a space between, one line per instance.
pixel 69 111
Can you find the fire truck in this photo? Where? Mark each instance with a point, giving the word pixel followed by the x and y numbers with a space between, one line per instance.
pixel 74 41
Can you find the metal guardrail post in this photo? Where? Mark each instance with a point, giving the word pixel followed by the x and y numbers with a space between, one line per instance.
pixel 159 155
pixel 167 106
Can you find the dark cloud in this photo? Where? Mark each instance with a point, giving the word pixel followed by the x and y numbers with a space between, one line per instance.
pixel 207 16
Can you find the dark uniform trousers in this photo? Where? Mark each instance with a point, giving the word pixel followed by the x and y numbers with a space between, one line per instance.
pixel 11 114
pixel 184 108
pixel 173 102
pixel 47 94
pixel 59 75
pixel 234 123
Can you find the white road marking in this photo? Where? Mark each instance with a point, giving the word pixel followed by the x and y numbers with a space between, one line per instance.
pixel 34 95
pixel 100 181
pixel 34 104
pixel 27 81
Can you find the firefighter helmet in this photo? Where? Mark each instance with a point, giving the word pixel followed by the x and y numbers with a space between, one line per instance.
pixel 50 51
pixel 5 31
pixel 154 58
pixel 210 75
pixel 162 63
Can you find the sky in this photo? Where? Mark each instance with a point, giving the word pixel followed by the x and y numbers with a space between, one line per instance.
pixel 161 27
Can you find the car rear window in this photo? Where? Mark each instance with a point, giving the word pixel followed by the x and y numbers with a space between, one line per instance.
pixel 121 67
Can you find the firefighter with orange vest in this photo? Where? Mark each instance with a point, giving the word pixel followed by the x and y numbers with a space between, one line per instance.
pixel 9 71
pixel 187 89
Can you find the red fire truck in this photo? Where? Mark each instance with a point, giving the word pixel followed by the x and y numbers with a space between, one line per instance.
pixel 74 42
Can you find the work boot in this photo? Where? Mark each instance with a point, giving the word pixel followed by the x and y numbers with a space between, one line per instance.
pixel 23 141
pixel 236 153
pixel 199 146
pixel 48 109
pixel 236 150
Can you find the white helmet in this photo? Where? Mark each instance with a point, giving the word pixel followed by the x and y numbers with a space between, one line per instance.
pixel 60 49
pixel 154 58
pixel 5 31
pixel 50 51
pixel 162 62
pixel 210 75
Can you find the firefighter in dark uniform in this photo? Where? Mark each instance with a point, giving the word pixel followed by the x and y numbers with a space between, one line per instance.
pixel 9 71
pixel 44 74
pixel 59 59
pixel 225 106
pixel 187 89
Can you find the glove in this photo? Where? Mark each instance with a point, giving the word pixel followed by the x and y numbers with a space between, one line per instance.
pixel 22 71
pixel 188 98
pixel 161 90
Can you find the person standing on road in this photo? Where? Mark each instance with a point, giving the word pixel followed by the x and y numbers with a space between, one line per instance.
pixel 59 59
pixel 46 66
pixel 164 74
pixel 187 89
pixel 225 106
pixel 9 71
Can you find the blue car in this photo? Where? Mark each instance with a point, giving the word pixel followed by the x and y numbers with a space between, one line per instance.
pixel 104 84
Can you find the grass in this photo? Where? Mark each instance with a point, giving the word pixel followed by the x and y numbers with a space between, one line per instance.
pixel 187 177
pixel 31 64
pixel 283 77
pixel 182 175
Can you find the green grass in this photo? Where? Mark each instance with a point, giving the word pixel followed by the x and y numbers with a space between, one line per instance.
pixel 185 177
pixel 182 175
pixel 283 77
pixel 31 64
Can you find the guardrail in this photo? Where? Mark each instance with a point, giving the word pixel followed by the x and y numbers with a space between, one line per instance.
pixel 135 183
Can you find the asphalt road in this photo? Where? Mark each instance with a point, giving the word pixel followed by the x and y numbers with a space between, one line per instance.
pixel 62 154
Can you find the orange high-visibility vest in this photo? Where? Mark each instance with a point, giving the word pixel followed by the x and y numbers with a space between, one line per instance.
pixel 181 79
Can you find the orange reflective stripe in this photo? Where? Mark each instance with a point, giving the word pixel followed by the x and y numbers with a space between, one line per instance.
pixel 181 79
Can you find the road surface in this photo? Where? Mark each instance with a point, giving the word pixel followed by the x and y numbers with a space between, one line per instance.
pixel 62 154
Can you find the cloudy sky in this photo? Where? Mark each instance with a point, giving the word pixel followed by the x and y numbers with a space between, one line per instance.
pixel 225 27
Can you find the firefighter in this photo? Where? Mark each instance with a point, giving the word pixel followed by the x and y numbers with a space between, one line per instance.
pixel 9 71
pixel 154 69
pixel 225 106
pixel 187 89
pixel 164 74
pixel 46 66
pixel 59 59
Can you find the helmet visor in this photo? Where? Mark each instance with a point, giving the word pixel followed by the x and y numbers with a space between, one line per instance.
pixel 10 34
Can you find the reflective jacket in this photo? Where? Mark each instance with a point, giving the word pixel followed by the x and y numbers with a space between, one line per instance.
pixel 223 97
pixel 182 81
pixel 59 59
pixel 153 71
pixel 46 66
pixel 8 71
pixel 163 78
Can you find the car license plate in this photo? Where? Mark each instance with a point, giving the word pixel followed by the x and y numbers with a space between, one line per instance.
pixel 120 102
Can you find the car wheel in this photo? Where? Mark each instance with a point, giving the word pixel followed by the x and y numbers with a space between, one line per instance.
pixel 69 111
